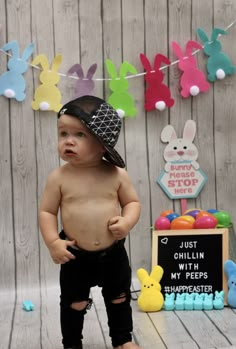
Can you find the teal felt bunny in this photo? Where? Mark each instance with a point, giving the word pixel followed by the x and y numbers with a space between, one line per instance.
pixel 12 82
pixel 230 270
pixel 218 64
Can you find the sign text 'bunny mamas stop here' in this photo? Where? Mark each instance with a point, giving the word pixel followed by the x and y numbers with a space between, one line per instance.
pixel 182 176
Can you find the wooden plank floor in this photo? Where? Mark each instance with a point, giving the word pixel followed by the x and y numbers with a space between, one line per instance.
pixel 40 328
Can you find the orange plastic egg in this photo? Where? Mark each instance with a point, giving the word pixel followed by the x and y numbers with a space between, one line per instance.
pixel 204 214
pixel 165 213
pixel 180 223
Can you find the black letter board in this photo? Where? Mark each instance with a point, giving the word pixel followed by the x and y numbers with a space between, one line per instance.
pixel 193 260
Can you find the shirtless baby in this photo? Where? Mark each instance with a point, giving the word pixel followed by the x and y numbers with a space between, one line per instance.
pixel 98 206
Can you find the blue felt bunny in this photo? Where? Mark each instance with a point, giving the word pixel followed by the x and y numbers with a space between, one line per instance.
pixel 218 64
pixel 230 270
pixel 12 82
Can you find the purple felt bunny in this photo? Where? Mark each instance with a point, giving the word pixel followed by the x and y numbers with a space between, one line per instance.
pixel 84 85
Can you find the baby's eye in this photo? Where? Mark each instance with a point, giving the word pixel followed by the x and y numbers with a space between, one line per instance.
pixel 80 134
pixel 63 134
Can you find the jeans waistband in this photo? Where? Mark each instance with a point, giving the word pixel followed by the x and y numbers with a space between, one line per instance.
pixel 80 251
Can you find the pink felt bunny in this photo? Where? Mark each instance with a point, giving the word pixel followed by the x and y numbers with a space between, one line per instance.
pixel 157 95
pixel 84 85
pixel 180 149
pixel 193 80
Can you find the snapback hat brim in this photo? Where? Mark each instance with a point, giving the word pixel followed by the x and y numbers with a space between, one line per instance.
pixel 113 157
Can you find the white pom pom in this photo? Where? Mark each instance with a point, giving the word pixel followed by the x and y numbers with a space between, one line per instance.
pixel 44 106
pixel 220 74
pixel 160 105
pixel 120 112
pixel 9 93
pixel 194 90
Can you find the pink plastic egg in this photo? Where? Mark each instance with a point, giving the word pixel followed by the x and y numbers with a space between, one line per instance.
pixel 162 223
pixel 205 222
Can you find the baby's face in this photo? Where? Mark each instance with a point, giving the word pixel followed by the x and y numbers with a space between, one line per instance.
pixel 76 144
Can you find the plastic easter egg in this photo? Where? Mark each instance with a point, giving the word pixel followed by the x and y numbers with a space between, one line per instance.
pixel 212 210
pixel 205 222
pixel 180 223
pixel 193 212
pixel 162 223
pixel 223 218
pixel 172 216
pixel 165 213
pixel 188 218
pixel 204 214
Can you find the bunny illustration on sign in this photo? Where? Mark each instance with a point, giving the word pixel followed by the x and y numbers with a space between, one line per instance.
pixel 157 95
pixel 150 298
pixel 84 85
pixel 12 82
pixel 193 80
pixel 47 96
pixel 218 64
pixel 180 149
pixel 230 270
pixel 120 99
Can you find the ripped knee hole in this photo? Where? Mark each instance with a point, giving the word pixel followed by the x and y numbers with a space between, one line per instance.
pixel 79 305
pixel 120 299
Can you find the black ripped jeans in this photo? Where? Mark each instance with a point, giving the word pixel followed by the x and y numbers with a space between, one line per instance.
pixel 108 269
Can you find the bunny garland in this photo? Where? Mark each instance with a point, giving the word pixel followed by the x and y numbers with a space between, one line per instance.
pixel 85 85
pixel 12 82
pixel 218 64
pixel 150 298
pixel 47 96
pixel 192 80
pixel 120 99
pixel 157 95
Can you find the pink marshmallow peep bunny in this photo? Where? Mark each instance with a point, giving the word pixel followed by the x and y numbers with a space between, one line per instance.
pixel 84 85
pixel 47 96
pixel 193 80
pixel 157 95
pixel 12 82
pixel 180 149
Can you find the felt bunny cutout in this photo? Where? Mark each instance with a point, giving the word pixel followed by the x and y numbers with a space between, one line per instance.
pixel 84 85
pixel 193 80
pixel 218 64
pixel 230 270
pixel 47 96
pixel 180 149
pixel 150 298
pixel 157 95
pixel 120 99
pixel 12 82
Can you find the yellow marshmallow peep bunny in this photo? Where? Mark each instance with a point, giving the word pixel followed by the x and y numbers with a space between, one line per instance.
pixel 150 299
pixel 47 96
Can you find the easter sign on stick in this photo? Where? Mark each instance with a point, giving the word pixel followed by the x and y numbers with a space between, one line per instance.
pixel 182 177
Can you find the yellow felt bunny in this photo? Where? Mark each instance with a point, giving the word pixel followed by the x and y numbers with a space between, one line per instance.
pixel 47 96
pixel 150 298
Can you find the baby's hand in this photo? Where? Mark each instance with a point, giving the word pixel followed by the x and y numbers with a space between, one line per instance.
pixel 59 252
pixel 119 227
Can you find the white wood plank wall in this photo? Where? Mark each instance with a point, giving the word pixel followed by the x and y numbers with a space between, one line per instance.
pixel 89 32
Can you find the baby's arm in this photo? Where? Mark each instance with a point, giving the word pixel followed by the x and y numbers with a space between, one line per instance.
pixel 130 208
pixel 48 223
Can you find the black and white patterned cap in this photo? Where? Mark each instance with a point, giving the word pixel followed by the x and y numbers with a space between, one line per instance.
pixel 101 119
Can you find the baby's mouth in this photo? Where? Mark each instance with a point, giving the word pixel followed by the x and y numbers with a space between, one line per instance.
pixel 69 152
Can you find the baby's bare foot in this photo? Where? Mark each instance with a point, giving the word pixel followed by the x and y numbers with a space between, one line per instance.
pixel 129 345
